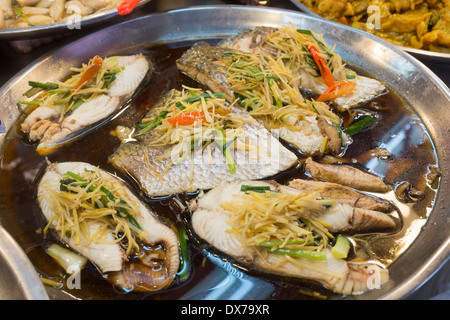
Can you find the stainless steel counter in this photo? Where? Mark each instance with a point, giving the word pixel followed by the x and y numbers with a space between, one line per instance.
pixel 11 62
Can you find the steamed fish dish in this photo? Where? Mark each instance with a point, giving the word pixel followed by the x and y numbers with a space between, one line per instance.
pixel 192 139
pixel 96 215
pixel 269 92
pixel 274 73
pixel 291 231
pixel 316 67
pixel 263 153
pixel 62 111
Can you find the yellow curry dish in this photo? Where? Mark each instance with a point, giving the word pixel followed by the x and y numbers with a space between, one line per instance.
pixel 419 24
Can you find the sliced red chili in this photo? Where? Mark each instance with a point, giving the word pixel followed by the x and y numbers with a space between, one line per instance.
pixel 322 65
pixel 186 119
pixel 337 90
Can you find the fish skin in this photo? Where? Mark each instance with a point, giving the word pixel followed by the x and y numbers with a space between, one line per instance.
pixel 345 175
pixel 201 63
pixel 108 257
pixel 249 40
pixel 212 225
pixel 209 166
pixel 253 40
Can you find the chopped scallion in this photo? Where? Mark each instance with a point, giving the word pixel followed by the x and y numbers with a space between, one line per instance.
pixel 309 33
pixel 156 122
pixel 261 189
pixel 360 125
pixel 51 282
pixel 130 218
pixel 42 85
pixel 279 243
pixel 31 103
pixel 226 149
pixel 183 273
pixel 341 247
pixel 77 103
pixel 307 254
pixel 70 261
pixel 198 97
pixel 74 176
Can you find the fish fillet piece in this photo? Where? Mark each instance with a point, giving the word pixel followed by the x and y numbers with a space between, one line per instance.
pixel 310 139
pixel 281 42
pixel 105 251
pixel 340 217
pixel 365 90
pixel 53 126
pixel 346 217
pixel 345 175
pixel 296 122
pixel 213 223
pixel 160 171
pixel 342 194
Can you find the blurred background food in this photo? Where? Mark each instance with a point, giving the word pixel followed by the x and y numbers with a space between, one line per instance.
pixel 28 13
pixel 420 24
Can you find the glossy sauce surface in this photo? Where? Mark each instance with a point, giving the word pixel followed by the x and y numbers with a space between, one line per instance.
pixel 397 148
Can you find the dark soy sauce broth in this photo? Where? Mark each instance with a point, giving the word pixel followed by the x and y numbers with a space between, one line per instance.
pixel 410 156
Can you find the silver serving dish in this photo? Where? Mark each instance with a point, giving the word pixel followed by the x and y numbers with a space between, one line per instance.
pixel 423 55
pixel 62 27
pixel 409 78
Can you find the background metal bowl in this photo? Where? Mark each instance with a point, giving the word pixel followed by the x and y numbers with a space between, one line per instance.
pixel 410 79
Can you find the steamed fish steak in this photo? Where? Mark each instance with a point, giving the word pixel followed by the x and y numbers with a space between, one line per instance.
pixel 342 194
pixel 267 89
pixel 95 214
pixel 281 230
pixel 65 110
pixel 316 66
pixel 193 140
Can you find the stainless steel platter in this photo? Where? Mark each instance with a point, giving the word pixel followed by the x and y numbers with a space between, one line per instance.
pixel 423 55
pixel 62 27
pixel 410 79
